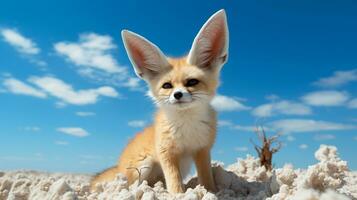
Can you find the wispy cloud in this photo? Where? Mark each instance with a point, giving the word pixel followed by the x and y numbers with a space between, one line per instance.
pixel 137 123
pixel 16 86
pixel 320 137
pixel 92 54
pixel 237 127
pixel 353 103
pixel 290 138
pixel 75 131
pixel 244 128
pixel 326 98
pixel 85 114
pixel 308 125
pixel 241 149
pixel 19 42
pixel 64 92
pixel 339 78
pixel 133 83
pixel 60 142
pixel 303 146
pixel 31 128
pixel 224 123
pixel 34 157
pixel 281 107
pixel 224 103
pixel 24 45
pixel 92 50
pixel 67 94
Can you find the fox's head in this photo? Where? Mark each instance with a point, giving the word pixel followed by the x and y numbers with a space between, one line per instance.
pixel 182 82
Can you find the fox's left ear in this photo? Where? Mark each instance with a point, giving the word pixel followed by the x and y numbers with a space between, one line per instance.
pixel 146 57
pixel 210 47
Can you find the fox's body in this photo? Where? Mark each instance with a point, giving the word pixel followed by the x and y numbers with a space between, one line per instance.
pixel 184 128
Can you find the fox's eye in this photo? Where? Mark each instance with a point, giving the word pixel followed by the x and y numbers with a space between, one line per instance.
pixel 192 82
pixel 167 85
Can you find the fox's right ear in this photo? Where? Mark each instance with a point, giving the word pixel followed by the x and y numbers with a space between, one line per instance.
pixel 145 56
pixel 210 47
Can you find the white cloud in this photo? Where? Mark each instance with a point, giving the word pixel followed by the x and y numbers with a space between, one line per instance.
pixel 338 78
pixel 21 43
pixel 132 83
pixel 307 125
pixel 303 146
pixel 272 97
pixel 220 151
pixel 241 149
pixel 66 93
pixel 264 110
pixel 92 54
pixel 137 123
pixel 92 51
pixel 224 123
pixel 244 128
pixel 355 138
pixel 232 126
pixel 224 103
pixel 281 107
pixel 59 142
pixel 320 137
pixel 91 157
pixel 85 114
pixel 290 138
pixel 353 103
pixel 75 131
pixel 52 86
pixel 326 98
pixel 34 157
pixel 32 128
pixel 18 87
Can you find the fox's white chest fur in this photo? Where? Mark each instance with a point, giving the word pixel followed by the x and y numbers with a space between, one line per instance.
pixel 191 129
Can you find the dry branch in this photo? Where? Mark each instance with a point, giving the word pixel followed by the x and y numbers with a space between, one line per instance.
pixel 266 151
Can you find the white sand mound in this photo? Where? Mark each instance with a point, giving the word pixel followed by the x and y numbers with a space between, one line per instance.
pixel 329 179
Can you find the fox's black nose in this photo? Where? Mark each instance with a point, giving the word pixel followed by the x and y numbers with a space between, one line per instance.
pixel 178 95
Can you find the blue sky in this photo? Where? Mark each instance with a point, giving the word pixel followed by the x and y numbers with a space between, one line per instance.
pixel 70 100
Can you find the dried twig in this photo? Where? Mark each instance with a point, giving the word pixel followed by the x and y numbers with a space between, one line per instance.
pixel 265 152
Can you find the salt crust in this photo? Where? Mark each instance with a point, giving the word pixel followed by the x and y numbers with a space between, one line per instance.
pixel 329 179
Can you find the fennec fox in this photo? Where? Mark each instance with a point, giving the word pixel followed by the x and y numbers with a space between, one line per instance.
pixel 184 128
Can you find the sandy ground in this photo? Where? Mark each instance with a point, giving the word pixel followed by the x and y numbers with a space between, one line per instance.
pixel 328 179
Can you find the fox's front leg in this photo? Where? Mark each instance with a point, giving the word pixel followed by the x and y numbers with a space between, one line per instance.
pixel 170 166
pixel 204 170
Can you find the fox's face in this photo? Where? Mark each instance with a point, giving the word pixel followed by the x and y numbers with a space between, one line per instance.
pixel 183 85
pixel 184 82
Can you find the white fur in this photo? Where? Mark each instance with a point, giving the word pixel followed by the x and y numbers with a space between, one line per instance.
pixel 190 127
pixel 190 131
pixel 186 96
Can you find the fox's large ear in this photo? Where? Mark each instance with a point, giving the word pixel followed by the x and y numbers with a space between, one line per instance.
pixel 210 47
pixel 145 56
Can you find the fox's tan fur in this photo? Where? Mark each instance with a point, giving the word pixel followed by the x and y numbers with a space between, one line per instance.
pixel 181 131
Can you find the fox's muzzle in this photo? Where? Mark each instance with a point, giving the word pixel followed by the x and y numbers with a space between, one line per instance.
pixel 180 95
